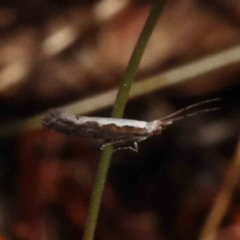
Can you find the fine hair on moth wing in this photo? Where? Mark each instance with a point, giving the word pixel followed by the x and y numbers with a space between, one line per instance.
pixel 115 131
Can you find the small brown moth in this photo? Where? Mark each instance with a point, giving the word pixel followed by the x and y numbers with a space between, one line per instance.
pixel 113 130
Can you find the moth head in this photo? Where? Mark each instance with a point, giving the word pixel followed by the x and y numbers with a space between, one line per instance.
pixel 154 127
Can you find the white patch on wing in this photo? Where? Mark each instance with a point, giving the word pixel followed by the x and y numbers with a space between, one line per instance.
pixel 116 121
pixel 152 126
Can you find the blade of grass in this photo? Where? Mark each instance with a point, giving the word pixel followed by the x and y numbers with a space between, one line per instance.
pixel 118 110
pixel 223 199
pixel 174 76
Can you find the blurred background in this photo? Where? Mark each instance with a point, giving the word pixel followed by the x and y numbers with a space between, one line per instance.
pixel 72 54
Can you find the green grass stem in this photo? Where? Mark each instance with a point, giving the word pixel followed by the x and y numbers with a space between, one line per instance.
pixel 118 110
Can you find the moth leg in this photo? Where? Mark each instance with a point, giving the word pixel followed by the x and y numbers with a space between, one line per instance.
pixel 134 140
pixel 140 139
pixel 112 143
pixel 106 144
pixel 134 148
pixel 135 144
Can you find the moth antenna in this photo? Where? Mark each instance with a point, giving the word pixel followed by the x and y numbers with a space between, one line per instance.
pixel 190 107
pixel 170 121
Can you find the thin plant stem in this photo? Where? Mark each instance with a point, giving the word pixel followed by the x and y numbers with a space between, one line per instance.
pixel 135 59
pixel 223 199
pixel 177 75
pixel 118 110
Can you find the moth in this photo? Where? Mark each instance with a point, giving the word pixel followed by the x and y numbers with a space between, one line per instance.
pixel 117 131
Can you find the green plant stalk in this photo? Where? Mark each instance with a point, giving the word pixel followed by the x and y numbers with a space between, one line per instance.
pixel 118 110
pixel 135 59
